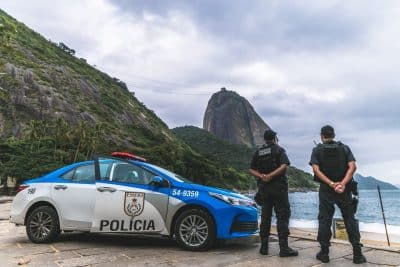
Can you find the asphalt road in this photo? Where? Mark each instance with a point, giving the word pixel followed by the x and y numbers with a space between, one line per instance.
pixel 77 249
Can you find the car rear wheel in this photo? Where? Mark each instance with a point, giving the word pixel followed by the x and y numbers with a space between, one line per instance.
pixel 42 225
pixel 195 230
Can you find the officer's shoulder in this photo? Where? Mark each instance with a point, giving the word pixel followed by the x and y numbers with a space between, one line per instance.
pixel 279 148
pixel 346 147
pixel 318 147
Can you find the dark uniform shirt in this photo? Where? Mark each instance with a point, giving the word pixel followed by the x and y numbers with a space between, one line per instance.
pixel 268 158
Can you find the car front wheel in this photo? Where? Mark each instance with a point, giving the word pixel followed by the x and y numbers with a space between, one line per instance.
pixel 42 225
pixel 195 230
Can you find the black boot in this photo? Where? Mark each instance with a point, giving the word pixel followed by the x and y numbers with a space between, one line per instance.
pixel 264 246
pixel 323 254
pixel 358 257
pixel 285 250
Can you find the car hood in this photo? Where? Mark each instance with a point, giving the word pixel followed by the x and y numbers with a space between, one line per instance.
pixel 218 190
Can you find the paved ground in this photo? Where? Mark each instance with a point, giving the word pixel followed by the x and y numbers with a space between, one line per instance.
pixel 107 250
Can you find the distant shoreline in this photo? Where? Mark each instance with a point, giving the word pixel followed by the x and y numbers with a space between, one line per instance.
pixel 291 190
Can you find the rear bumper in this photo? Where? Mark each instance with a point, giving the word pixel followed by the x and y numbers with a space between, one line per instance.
pixel 18 209
pixel 17 219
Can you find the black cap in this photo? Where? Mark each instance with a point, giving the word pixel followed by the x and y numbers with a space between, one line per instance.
pixel 328 131
pixel 269 135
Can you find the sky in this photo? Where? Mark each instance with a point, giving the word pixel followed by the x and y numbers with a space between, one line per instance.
pixel 301 64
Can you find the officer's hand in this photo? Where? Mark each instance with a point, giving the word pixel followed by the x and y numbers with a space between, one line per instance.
pixel 339 188
pixel 265 178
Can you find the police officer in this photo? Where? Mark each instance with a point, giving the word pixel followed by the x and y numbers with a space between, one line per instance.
pixel 269 165
pixel 333 165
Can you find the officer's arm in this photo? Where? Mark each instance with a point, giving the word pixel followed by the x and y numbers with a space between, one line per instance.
pixel 322 176
pixel 276 172
pixel 256 173
pixel 349 174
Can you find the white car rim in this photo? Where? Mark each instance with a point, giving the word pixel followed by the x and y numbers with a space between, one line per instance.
pixel 41 225
pixel 193 230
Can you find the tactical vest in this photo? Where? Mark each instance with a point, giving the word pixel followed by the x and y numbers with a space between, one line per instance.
pixel 333 160
pixel 267 158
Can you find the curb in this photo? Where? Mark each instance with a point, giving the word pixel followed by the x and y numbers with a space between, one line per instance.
pixel 6 199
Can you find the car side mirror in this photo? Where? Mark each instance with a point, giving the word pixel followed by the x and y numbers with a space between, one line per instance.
pixel 157 181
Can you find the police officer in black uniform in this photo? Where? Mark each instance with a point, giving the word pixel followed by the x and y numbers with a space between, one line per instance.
pixel 269 165
pixel 333 164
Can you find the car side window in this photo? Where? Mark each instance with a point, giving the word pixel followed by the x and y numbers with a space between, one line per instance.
pixel 68 175
pixel 105 171
pixel 84 174
pixel 81 174
pixel 128 173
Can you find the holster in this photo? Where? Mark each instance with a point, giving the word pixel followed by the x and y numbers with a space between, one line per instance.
pixel 353 187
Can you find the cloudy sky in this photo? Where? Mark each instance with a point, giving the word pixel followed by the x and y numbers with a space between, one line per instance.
pixel 302 64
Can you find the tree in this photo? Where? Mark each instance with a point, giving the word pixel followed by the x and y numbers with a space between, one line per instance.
pixel 61 134
pixel 81 132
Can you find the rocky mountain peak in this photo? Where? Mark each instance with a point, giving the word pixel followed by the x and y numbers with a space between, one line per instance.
pixel 231 117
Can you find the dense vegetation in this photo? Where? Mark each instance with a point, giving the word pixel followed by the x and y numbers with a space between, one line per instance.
pixel 236 156
pixel 56 109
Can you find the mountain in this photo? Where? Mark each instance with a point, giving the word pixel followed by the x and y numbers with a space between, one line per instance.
pixel 370 183
pixel 56 109
pixel 231 117
pixel 234 155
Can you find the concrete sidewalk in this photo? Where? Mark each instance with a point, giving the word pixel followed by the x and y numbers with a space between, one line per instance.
pixel 78 249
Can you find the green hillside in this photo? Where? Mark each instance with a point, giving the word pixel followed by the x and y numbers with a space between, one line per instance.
pixel 236 156
pixel 206 143
pixel 56 109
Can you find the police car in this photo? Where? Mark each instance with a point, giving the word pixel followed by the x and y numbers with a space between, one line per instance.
pixel 125 194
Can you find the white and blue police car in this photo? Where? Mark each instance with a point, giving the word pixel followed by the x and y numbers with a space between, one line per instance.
pixel 125 194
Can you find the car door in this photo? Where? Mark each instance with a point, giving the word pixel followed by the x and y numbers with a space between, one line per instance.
pixel 126 201
pixel 74 196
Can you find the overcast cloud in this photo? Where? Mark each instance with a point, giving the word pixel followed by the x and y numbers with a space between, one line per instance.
pixel 301 64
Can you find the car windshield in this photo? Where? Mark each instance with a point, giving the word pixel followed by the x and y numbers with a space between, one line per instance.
pixel 175 176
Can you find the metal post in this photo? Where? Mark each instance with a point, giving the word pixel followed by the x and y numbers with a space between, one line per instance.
pixel 383 215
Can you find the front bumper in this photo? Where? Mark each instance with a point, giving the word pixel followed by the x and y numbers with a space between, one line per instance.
pixel 236 222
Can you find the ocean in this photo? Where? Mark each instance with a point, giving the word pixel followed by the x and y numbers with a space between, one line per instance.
pixel 304 208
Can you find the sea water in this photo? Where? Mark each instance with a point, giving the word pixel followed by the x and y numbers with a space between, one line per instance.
pixel 304 208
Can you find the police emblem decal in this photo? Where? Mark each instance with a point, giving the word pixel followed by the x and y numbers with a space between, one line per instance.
pixel 134 203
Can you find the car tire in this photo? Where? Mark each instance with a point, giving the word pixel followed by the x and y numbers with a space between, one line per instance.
pixel 42 225
pixel 195 230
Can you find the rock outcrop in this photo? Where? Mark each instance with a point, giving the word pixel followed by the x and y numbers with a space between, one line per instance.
pixel 231 117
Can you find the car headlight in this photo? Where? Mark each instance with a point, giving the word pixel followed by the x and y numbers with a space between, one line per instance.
pixel 233 200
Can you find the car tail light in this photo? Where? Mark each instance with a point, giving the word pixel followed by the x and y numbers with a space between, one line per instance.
pixel 22 187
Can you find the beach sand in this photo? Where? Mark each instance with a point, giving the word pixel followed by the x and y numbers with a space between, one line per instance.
pixel 374 240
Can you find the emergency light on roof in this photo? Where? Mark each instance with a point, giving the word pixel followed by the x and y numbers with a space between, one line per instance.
pixel 126 155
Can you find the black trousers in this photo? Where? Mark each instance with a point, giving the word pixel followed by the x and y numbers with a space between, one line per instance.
pixel 279 201
pixel 327 200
